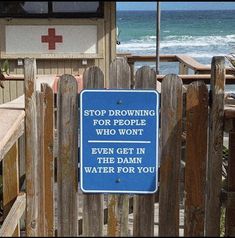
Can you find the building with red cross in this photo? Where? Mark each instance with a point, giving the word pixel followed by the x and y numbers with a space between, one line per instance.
pixel 63 37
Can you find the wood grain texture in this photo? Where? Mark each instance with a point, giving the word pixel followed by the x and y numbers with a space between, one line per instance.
pixel 67 161
pixel 143 226
pixel 40 196
pixel 118 205
pixel 31 151
pixel 230 186
pixel 16 212
pixel 11 182
pixel 120 74
pixel 196 157
pixel 118 210
pixel 145 78
pixel 48 158
pixel 11 128
pixel 214 166
pixel 171 130
pixel 93 204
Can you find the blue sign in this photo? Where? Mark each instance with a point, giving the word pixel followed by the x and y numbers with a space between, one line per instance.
pixel 119 141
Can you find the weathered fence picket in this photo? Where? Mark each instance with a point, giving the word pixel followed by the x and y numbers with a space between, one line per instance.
pixel 93 204
pixel 215 147
pixel 40 163
pixel 31 151
pixel 196 156
pixel 48 158
pixel 145 78
pixel 67 160
pixel 171 129
pixel 118 205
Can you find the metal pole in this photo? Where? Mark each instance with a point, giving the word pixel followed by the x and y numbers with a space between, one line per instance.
pixel 158 37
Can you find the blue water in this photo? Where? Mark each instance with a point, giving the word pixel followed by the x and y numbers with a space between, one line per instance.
pixel 200 34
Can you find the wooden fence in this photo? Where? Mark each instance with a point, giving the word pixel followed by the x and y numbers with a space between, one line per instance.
pixel 55 206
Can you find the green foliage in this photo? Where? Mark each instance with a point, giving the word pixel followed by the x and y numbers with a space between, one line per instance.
pixel 5 67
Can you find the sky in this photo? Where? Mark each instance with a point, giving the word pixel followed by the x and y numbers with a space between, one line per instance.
pixel 176 5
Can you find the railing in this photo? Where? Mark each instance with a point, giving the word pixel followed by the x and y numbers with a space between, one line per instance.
pixel 14 201
pixel 185 62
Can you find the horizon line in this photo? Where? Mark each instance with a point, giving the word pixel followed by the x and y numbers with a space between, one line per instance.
pixel 176 10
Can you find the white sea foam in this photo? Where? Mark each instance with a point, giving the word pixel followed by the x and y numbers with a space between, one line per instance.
pixel 149 42
pixel 197 47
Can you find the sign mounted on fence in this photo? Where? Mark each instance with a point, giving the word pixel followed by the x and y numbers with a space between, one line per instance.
pixel 119 141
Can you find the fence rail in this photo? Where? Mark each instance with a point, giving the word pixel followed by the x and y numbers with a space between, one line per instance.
pixel 55 206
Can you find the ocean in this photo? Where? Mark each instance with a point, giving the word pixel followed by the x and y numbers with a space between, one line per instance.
pixel 199 34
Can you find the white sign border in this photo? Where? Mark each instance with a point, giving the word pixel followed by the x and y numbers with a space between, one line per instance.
pixel 81 140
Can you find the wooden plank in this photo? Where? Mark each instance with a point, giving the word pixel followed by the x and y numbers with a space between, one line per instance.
pixel 75 67
pixel 54 67
pixel 60 65
pixel 93 204
pixel 40 163
pixel 47 66
pixel 68 66
pixel 191 63
pixel 31 150
pixel 6 92
pixel 93 77
pixel 118 205
pixel 118 209
pixel 16 212
pixel 145 78
pixel 196 157
pixel 11 182
pixel 17 103
pixel 40 66
pixel 215 147
pixel 67 161
pixel 11 128
pixel 183 69
pixel 171 129
pixel 230 185
pixel 120 74
pixel 48 125
pixel 13 93
pixel 143 226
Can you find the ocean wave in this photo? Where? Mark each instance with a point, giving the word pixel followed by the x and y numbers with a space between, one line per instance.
pixel 226 40
pixel 198 45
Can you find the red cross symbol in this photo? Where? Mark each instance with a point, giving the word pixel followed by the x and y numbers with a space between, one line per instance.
pixel 51 39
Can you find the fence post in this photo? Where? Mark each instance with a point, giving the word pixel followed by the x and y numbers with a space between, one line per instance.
pixel 118 205
pixel 93 204
pixel 171 130
pixel 196 157
pixel 144 204
pixel 67 160
pixel 214 165
pixel 31 150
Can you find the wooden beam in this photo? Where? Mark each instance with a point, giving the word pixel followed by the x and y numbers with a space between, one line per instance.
pixel 11 182
pixel 11 128
pixel 16 212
